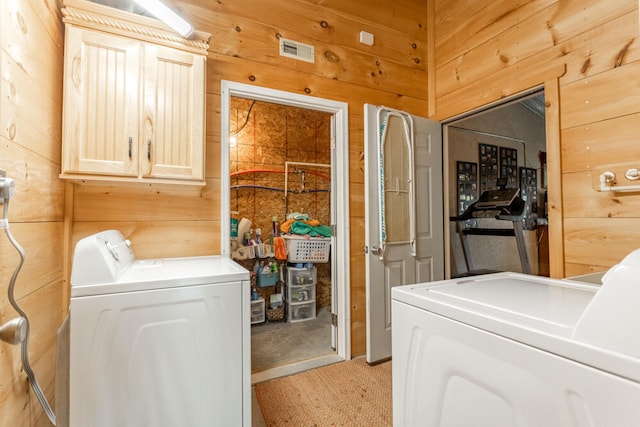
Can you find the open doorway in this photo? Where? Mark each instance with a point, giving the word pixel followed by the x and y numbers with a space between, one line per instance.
pixel 284 154
pixel 501 147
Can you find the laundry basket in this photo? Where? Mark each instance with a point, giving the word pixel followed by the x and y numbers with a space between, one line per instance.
pixel 307 249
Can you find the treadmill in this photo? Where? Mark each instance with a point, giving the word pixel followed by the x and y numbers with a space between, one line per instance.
pixel 503 204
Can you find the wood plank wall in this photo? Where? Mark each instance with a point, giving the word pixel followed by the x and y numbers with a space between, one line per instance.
pixel 30 106
pixel 485 51
pixel 244 48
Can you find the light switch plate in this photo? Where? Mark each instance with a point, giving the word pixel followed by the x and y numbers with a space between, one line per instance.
pixel 366 38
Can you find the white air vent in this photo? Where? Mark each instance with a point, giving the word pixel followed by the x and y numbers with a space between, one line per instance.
pixel 296 50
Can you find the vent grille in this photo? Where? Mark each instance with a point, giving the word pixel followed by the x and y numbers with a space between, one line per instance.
pixel 296 50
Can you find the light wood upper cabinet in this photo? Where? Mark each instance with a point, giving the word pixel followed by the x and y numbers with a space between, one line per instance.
pixel 134 98
pixel 173 114
pixel 101 107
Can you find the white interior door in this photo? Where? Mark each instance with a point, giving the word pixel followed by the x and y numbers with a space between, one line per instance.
pixel 403 213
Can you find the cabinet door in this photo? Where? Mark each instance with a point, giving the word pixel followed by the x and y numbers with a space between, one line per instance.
pixel 172 144
pixel 101 114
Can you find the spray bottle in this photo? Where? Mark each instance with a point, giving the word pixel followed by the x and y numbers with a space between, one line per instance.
pixel 275 226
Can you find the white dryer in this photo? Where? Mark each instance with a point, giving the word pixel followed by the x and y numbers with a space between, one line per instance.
pixel 157 342
pixel 509 349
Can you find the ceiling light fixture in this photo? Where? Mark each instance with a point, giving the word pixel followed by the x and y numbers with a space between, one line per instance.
pixel 166 15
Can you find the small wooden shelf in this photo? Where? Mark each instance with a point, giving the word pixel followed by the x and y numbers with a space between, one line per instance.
pixel 109 180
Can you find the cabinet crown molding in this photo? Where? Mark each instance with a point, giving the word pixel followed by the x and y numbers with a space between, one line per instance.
pixel 104 18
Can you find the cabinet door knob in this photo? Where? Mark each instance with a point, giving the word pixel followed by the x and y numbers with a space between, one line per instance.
pixel 130 144
pixel 148 149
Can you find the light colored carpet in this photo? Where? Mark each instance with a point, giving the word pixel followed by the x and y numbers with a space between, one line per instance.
pixel 350 393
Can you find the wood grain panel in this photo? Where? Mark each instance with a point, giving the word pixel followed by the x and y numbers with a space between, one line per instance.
pixel 213 158
pixel 451 15
pixel 243 71
pixel 554 184
pixel 581 200
pixel 572 18
pixel 602 48
pixel 29 116
pixel 589 146
pixel 257 42
pixel 507 49
pixel 405 16
pixel 31 89
pixel 600 241
pixel 356 201
pixel 14 385
pixel 358 288
pixel 213 113
pixel 601 97
pixel 160 239
pixel 322 21
pixel 43 260
pixel 33 38
pixel 480 22
pixel 356 167
pixel 146 203
pixel 337 48
pixel 572 270
pixel 38 194
pixel 517 78
pixel 43 309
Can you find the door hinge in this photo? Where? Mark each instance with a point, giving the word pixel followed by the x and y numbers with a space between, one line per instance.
pixel 333 230
pixel 334 319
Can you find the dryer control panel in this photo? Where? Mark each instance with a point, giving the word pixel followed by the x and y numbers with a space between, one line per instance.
pixel 100 258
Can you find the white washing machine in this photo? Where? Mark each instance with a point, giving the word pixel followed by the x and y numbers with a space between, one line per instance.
pixel 509 349
pixel 157 342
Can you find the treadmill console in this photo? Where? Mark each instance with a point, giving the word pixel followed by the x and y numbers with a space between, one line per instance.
pixel 497 198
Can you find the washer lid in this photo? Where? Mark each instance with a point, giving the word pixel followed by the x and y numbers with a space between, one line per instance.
pixel 537 311
pixel 161 273
pixel 529 301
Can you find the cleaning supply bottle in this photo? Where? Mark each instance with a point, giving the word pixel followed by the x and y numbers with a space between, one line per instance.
pixel 275 226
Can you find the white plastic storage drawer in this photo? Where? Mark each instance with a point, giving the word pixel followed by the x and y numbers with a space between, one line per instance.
pixel 257 311
pixel 303 293
pixel 301 276
pixel 301 311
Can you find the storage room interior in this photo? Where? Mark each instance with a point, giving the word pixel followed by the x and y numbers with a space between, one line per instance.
pixel 280 165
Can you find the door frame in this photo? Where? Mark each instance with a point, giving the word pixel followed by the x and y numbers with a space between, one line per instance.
pixel 340 147
pixel 554 186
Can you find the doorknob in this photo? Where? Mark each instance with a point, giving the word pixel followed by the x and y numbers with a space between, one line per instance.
pixel 376 250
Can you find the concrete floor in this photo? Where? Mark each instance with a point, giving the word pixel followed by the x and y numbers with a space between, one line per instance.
pixel 277 344
pixel 280 349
